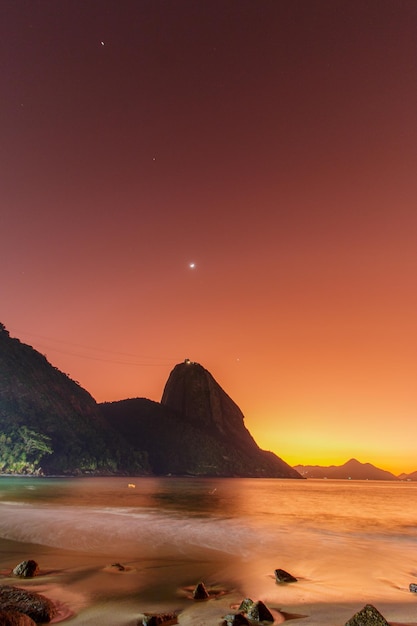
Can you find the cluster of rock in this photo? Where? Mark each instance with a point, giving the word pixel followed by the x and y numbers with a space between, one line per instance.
pixel 250 612
pixel 19 607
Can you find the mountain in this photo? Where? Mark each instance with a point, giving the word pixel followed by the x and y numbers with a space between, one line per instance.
pixel 412 476
pixel 49 424
pixel 196 429
pixel 352 469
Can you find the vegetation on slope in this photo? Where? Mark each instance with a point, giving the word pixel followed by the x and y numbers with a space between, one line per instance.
pixel 49 423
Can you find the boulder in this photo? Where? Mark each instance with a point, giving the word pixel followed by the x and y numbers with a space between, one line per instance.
pixel 200 592
pixel 14 618
pixel 259 612
pixel 26 569
pixel 281 576
pixel 35 605
pixel 368 616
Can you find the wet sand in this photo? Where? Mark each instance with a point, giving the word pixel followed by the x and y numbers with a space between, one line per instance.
pixel 88 594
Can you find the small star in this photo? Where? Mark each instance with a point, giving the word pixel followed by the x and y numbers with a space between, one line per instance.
pixel 102 43
pixel 191 266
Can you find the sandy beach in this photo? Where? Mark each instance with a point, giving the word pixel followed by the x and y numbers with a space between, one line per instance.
pixel 87 595
pixel 348 544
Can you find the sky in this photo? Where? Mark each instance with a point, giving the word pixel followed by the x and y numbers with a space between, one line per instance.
pixel 232 182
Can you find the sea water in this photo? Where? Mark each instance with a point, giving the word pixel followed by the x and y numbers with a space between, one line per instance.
pixel 348 543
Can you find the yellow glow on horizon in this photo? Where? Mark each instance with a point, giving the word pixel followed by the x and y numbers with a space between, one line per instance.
pixel 300 443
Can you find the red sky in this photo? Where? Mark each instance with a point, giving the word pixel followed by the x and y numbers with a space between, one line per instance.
pixel 271 143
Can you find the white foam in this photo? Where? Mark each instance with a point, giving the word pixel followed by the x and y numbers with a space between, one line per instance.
pixel 121 530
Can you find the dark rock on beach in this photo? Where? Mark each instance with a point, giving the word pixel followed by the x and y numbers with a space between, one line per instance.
pixel 413 587
pixel 35 605
pixel 255 611
pixel 15 618
pixel 26 569
pixel 281 576
pixel 200 592
pixel 259 612
pixel 368 616
pixel 159 618
pixel 118 566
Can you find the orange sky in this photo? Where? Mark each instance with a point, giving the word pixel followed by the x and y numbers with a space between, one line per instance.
pixel 273 144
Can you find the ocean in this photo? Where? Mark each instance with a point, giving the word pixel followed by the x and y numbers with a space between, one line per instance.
pixel 348 543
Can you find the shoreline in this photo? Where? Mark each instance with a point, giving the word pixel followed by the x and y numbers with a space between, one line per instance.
pixel 307 602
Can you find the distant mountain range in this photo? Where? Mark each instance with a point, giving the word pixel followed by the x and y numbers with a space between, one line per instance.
pixel 351 470
pixel 50 425
pixel 412 476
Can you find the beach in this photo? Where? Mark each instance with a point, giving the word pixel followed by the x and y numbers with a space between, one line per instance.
pixel 347 544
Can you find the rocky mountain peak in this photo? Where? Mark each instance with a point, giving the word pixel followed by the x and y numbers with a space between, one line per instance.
pixel 194 393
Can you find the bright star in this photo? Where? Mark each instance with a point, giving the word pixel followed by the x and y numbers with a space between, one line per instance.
pixel 191 266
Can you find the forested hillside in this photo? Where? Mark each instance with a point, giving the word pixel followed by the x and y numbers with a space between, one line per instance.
pixel 48 423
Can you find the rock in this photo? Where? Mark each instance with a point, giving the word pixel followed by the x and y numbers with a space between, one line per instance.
pixel 35 605
pixel 259 612
pixel 26 569
pixel 159 618
pixel 235 619
pixel 413 587
pixel 245 605
pixel 118 566
pixel 200 592
pixel 15 618
pixel 368 616
pixel 281 576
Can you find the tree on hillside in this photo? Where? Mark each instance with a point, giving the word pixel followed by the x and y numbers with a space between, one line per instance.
pixel 22 450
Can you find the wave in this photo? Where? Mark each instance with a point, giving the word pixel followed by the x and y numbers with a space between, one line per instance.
pixel 123 530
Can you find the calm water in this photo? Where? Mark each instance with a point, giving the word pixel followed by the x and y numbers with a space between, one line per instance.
pixel 346 541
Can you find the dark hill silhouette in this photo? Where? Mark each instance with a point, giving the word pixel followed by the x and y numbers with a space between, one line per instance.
pixel 48 421
pixel 196 429
pixel 51 425
pixel 352 469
